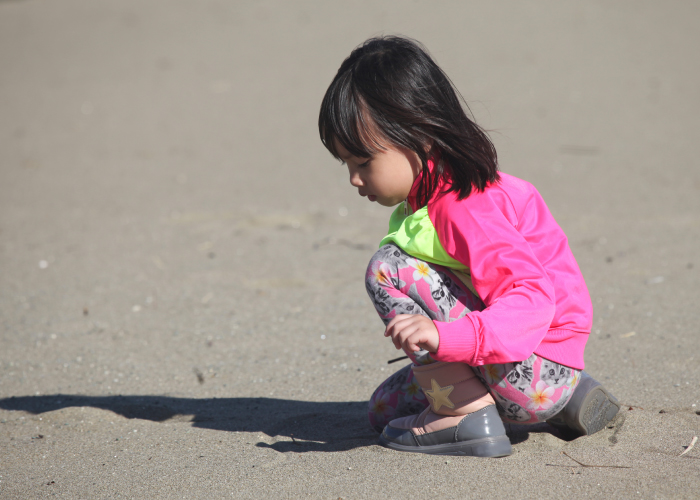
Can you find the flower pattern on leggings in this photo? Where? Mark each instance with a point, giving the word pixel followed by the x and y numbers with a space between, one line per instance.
pixel 540 396
pixel 422 271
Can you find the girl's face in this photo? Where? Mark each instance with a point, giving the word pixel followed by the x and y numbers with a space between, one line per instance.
pixel 386 177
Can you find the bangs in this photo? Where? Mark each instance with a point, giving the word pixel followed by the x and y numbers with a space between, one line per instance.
pixel 346 120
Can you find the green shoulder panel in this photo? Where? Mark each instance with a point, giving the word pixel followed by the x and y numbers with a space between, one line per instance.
pixel 416 235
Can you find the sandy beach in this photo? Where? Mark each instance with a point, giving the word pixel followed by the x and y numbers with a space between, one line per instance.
pixel 182 306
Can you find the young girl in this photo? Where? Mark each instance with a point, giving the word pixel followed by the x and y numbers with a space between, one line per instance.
pixel 475 280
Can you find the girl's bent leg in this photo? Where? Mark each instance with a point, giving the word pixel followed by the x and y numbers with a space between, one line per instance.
pixel 530 391
pixel 400 284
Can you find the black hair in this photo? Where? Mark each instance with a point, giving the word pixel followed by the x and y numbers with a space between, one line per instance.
pixel 390 89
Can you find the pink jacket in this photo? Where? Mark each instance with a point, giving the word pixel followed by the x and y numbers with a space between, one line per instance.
pixel 523 270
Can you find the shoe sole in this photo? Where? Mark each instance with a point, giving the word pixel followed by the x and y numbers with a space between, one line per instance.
pixel 486 447
pixel 598 408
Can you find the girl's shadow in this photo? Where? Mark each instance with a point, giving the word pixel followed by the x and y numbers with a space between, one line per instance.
pixel 301 425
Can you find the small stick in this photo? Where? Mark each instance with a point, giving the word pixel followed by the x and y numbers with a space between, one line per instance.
pixel 572 458
pixel 690 447
pixel 586 465
pixel 395 360
pixel 293 440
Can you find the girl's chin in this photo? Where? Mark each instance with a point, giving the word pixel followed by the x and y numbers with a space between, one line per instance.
pixel 371 197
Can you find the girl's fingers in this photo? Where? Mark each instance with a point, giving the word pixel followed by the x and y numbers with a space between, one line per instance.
pixel 396 319
pixel 412 332
pixel 411 342
pixel 400 339
pixel 393 330
pixel 406 332
pixel 408 338
pixel 394 325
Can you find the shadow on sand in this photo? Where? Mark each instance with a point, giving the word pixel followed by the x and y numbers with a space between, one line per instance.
pixel 306 425
pixel 333 426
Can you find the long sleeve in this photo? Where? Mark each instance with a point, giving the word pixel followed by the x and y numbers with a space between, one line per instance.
pixel 481 232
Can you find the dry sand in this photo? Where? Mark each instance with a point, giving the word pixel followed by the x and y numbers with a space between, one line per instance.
pixel 181 298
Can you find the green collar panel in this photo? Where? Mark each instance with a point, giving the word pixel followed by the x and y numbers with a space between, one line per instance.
pixel 416 235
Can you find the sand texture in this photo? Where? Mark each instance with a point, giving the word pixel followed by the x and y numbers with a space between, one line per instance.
pixel 182 307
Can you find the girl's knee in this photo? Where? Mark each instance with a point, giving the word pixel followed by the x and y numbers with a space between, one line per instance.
pixel 389 255
pixel 383 264
pixel 530 391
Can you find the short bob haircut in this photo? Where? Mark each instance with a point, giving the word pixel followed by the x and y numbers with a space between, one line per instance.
pixel 389 91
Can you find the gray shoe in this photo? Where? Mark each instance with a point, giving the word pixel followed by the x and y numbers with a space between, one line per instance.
pixel 589 410
pixel 479 434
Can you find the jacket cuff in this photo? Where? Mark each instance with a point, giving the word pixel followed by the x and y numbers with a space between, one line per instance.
pixel 457 341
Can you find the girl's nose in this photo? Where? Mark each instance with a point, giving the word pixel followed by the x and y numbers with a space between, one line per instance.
pixel 355 178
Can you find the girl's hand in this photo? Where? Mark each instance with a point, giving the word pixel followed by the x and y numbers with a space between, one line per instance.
pixel 413 332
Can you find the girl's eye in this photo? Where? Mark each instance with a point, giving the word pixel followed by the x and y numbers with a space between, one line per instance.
pixel 364 164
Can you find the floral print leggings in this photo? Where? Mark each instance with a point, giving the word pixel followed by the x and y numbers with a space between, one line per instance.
pixel 528 391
